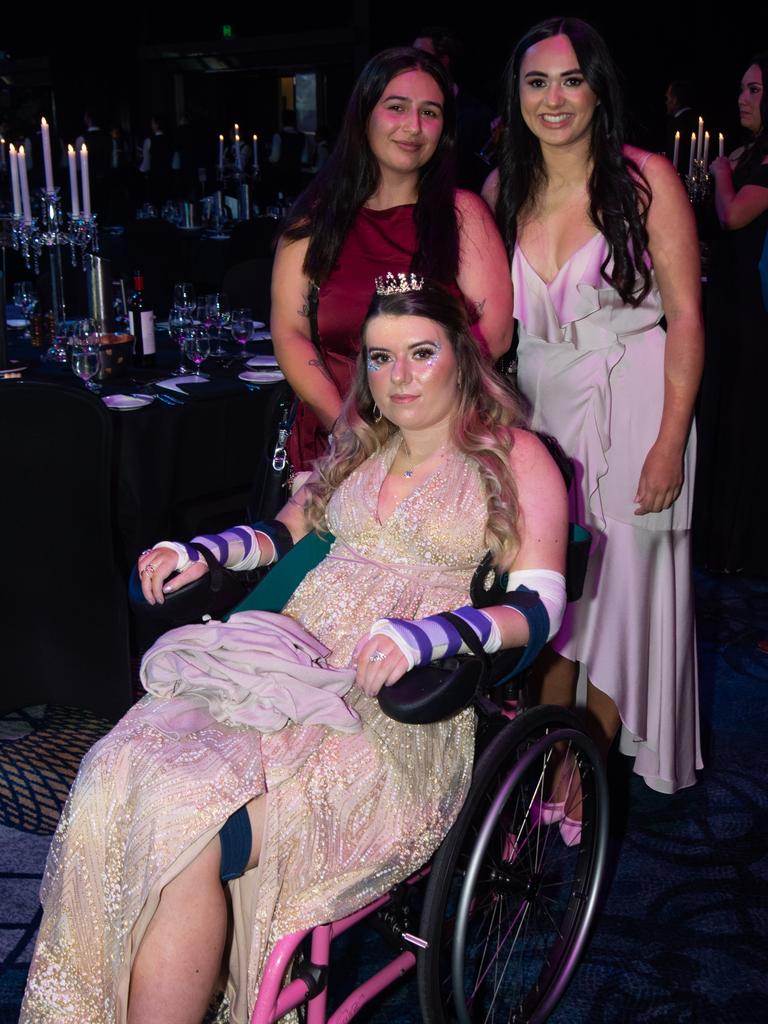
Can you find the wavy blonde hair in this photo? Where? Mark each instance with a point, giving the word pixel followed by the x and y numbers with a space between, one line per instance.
pixel 482 429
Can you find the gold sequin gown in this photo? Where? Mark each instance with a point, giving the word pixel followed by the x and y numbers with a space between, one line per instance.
pixel 348 816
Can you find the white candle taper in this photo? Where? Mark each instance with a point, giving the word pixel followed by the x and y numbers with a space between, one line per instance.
pixel 47 163
pixel 706 148
pixel 676 152
pixel 26 206
pixel 73 196
pixel 221 152
pixel 700 136
pixel 692 157
pixel 13 157
pixel 255 154
pixel 721 144
pixel 85 181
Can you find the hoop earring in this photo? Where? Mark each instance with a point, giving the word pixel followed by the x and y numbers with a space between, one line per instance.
pixel 458 379
pixel 376 413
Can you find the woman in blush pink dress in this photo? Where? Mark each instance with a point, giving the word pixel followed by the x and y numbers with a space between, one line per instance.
pixel 603 246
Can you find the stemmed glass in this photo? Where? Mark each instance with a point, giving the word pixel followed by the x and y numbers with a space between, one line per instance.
pixel 86 352
pixel 241 326
pixel 24 297
pixel 184 297
pixel 197 346
pixel 179 323
pixel 216 316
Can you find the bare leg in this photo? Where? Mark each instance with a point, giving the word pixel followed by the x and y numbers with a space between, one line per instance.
pixel 178 961
pixel 556 684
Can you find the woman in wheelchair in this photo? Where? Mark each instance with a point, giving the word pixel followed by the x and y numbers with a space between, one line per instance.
pixel 430 468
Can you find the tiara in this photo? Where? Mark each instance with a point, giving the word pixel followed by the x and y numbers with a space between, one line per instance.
pixel 400 285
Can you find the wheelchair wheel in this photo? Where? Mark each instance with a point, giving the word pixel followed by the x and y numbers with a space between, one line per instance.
pixel 508 905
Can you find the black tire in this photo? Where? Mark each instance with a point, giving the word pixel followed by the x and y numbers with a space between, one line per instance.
pixel 508 906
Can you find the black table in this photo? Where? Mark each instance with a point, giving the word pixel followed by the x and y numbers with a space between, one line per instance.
pixel 181 469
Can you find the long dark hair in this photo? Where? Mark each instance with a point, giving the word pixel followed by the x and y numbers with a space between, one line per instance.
pixel 619 195
pixel 487 413
pixel 757 149
pixel 326 210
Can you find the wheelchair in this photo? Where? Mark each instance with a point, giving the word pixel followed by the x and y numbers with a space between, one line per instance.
pixel 496 922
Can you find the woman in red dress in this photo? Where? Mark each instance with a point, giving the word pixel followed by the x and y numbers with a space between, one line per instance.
pixel 384 202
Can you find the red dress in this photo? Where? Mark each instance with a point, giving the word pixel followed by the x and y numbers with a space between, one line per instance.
pixel 378 241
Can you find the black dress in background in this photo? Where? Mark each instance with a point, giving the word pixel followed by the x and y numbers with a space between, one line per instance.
pixel 730 515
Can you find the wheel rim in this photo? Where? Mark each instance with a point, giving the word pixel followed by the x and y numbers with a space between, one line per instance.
pixel 522 900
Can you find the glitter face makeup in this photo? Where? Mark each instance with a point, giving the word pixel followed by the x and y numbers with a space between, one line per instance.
pixel 418 387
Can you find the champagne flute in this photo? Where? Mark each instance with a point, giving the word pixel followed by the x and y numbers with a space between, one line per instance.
pixel 179 323
pixel 197 346
pixel 241 326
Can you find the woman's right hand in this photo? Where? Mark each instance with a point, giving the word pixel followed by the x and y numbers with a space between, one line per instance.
pixel 156 565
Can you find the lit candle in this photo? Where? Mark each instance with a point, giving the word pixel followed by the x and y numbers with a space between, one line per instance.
pixel 700 136
pixel 221 152
pixel 706 148
pixel 2 154
pixel 48 165
pixel 14 161
pixel 255 154
pixel 693 154
pixel 85 180
pixel 72 159
pixel 676 152
pixel 24 182
pixel 721 144
pixel 238 154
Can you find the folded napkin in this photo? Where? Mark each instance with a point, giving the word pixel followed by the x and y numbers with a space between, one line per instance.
pixel 258 669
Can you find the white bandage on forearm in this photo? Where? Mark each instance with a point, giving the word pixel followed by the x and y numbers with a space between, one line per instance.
pixel 423 640
pixel 240 548
pixel 549 585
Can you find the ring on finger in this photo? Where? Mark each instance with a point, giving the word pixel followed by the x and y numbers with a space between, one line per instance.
pixel 377 656
pixel 149 569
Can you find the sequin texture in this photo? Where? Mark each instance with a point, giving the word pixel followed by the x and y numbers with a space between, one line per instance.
pixel 348 815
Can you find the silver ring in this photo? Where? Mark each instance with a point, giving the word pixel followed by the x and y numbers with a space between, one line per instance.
pixel 146 551
pixel 149 568
pixel 377 656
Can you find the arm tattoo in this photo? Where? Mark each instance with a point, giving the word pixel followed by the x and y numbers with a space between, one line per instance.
pixel 322 368
pixel 479 307
pixel 304 311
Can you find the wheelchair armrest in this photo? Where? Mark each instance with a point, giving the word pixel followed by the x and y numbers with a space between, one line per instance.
pixel 214 594
pixel 442 689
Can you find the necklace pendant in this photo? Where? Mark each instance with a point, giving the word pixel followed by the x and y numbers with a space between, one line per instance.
pixel 408 473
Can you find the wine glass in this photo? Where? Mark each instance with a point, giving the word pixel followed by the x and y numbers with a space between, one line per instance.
pixel 179 323
pixel 216 315
pixel 86 353
pixel 24 297
pixel 197 346
pixel 184 296
pixel 241 326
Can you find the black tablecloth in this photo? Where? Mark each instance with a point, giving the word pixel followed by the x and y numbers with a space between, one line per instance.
pixel 180 468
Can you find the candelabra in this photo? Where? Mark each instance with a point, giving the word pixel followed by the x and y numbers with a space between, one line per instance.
pixel 47 232
pixel 698 183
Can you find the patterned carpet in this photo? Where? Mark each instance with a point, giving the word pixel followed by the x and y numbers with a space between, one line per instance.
pixel 683 934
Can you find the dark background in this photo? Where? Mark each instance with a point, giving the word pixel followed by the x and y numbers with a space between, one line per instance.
pixel 128 60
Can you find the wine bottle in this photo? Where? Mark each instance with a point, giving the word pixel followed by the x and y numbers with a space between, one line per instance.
pixel 141 324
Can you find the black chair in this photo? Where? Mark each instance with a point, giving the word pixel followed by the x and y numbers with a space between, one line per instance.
pixel 64 629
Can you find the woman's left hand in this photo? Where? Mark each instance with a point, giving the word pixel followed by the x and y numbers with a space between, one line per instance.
pixel 661 480
pixel 378 662
pixel 720 165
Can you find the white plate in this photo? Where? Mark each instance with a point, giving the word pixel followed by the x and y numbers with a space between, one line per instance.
pixel 260 336
pixel 261 362
pixel 9 371
pixel 127 402
pixel 264 377
pixel 172 383
pixel 258 324
pixel 24 323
